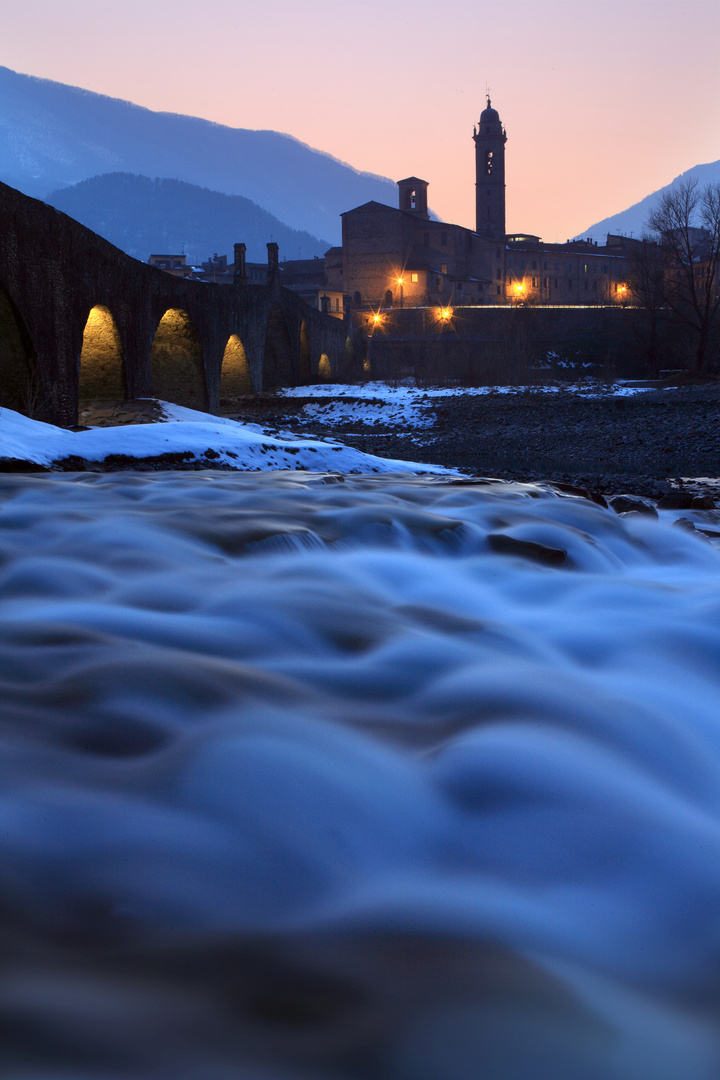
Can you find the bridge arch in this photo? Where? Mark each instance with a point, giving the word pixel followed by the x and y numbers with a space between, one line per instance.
pixel 102 358
pixel 235 379
pixel 20 386
pixel 176 361
pixel 325 368
pixel 305 369
pixel 278 359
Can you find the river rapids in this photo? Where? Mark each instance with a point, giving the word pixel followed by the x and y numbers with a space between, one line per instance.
pixel 379 778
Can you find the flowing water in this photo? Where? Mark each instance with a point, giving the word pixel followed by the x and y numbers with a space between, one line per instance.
pixel 389 778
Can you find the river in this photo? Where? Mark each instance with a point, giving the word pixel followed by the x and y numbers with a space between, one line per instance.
pixel 388 778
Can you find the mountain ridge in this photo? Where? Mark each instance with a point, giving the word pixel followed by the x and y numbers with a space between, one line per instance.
pixel 632 221
pixel 143 215
pixel 53 135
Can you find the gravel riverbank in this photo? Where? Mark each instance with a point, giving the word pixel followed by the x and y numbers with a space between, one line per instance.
pixel 640 444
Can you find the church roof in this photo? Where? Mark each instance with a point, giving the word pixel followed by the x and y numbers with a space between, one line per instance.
pixel 375 205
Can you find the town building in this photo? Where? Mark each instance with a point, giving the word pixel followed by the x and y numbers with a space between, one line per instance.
pixel 173 264
pixel 318 281
pixel 400 257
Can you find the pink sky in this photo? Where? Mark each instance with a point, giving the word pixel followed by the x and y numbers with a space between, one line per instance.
pixel 603 101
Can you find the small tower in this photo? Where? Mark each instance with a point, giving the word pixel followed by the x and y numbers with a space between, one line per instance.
pixel 413 196
pixel 490 139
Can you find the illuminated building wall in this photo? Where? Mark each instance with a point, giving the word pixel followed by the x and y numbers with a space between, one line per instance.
pixel 393 258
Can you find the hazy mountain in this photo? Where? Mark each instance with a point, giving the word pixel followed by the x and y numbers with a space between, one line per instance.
pixel 52 136
pixel 633 221
pixel 143 216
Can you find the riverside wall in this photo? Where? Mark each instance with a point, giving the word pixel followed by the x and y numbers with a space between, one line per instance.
pixel 477 345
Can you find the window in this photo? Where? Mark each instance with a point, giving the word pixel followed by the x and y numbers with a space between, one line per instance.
pixel 586 285
pixel 443 268
pixel 439 284
pixel 546 282
pixel 594 286
pixel 443 239
pixel 497 252
pixel 498 274
pixel 534 265
pixel 605 269
pixel 488 162
pixel 555 283
pixel 459 286
pixel 544 266
pixel 584 268
pixel 534 281
pixel 498 290
pixel 413 277
pixel 411 199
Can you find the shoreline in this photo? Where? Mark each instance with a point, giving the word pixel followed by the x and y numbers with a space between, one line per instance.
pixel 662 444
pixel 651 444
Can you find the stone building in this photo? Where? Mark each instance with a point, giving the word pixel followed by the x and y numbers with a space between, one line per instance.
pixel 172 264
pixel 400 257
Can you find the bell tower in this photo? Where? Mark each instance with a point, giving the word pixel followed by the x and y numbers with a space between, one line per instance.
pixel 490 139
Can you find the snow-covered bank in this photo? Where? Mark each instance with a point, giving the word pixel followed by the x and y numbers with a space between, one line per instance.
pixel 383 403
pixel 305 778
pixel 611 439
pixel 208 440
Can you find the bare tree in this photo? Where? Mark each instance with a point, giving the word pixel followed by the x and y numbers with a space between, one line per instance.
pixel 686 225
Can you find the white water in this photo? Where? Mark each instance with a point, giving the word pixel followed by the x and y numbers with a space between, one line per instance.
pixel 300 778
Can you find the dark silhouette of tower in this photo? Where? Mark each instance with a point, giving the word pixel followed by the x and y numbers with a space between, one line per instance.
pixel 490 139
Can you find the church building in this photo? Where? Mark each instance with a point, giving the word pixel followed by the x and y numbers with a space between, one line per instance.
pixel 400 257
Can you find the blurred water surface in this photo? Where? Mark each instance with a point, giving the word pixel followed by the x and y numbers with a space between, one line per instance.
pixel 310 776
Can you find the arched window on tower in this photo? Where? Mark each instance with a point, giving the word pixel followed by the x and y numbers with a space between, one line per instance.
pixel 411 199
pixel 488 162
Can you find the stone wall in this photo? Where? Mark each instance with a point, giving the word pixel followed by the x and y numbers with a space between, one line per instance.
pixel 490 345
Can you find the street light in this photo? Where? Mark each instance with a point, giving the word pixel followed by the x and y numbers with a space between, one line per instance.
pixel 401 283
pixel 376 322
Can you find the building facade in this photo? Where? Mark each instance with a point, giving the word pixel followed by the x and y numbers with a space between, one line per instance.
pixel 397 257
pixel 400 257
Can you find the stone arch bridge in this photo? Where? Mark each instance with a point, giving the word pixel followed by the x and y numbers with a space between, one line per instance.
pixel 80 319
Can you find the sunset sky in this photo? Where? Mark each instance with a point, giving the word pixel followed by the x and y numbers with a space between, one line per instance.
pixel 603 101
